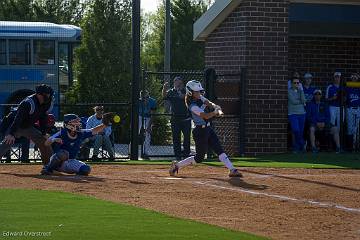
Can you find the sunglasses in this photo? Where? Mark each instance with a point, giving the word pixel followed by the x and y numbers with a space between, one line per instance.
pixel 317 93
pixel 296 82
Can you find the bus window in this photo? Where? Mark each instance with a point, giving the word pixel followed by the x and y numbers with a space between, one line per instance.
pixel 2 52
pixel 44 52
pixel 19 51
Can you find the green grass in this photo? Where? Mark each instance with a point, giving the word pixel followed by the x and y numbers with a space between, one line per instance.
pixel 69 216
pixel 308 160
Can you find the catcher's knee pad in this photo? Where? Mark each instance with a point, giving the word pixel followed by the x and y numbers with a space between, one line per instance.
pixel 84 170
pixel 63 155
pixel 199 158
pixel 56 160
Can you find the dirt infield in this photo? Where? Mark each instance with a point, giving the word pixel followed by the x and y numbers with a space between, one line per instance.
pixel 277 203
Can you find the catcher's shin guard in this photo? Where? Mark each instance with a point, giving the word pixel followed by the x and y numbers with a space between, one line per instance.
pixel 55 162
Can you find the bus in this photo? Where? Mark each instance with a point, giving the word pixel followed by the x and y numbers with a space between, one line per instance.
pixel 33 53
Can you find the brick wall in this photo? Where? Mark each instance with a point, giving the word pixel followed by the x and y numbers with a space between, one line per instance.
pixel 255 35
pixel 322 56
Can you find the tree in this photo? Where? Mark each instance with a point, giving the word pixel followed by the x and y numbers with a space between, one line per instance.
pixel 56 11
pixel 185 53
pixel 103 62
pixel 16 10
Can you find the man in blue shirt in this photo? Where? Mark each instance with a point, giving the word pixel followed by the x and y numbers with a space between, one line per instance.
pixel 147 106
pixel 102 138
pixel 353 112
pixel 333 99
pixel 66 145
pixel 319 119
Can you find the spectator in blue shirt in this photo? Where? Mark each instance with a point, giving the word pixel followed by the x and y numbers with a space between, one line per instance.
pixel 319 119
pixel 103 137
pixel 308 88
pixel 353 112
pixel 147 106
pixel 333 99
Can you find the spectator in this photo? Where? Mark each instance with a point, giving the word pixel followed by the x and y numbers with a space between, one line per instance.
pixel 102 138
pixel 353 112
pixel 308 89
pixel 295 74
pixel 147 106
pixel 319 118
pixel 333 98
pixel 309 95
pixel 296 114
pixel 180 119
pixel 30 110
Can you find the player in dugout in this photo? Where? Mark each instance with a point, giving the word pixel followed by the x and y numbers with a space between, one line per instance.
pixel 202 110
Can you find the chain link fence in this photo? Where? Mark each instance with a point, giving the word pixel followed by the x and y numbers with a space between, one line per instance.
pixel 225 89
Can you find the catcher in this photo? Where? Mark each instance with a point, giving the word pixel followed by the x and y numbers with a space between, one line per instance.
pixel 66 145
pixel 202 110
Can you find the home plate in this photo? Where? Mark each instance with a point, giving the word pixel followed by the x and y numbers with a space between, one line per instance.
pixel 173 178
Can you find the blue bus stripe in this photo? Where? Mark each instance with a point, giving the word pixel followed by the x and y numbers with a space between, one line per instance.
pixel 23 31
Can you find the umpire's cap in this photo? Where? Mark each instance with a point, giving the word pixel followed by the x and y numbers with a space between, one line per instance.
pixel 44 89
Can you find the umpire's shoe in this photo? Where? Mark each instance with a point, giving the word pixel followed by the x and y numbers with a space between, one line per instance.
pixel 173 168
pixel 235 173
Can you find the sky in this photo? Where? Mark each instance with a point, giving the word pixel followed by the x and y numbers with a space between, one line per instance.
pixel 149 5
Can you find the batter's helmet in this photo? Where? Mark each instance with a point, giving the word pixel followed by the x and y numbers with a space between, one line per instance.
pixel 193 85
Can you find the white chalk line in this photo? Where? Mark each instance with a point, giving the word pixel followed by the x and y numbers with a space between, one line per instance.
pixel 281 197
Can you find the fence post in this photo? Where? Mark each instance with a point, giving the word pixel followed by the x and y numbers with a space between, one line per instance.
pixel 134 154
pixel 210 79
pixel 242 111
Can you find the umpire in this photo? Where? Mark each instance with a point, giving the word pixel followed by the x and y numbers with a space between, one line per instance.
pixel 32 109
pixel 180 119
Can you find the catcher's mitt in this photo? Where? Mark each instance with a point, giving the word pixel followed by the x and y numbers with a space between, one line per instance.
pixel 108 118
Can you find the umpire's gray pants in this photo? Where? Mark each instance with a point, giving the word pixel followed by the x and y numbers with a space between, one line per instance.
pixel 36 136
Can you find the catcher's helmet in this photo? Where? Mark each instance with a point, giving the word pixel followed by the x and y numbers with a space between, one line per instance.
pixel 193 85
pixel 72 122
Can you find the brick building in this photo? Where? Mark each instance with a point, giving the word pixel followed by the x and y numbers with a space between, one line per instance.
pixel 271 38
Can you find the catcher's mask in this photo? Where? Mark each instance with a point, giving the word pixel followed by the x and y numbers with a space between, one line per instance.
pixel 193 86
pixel 72 122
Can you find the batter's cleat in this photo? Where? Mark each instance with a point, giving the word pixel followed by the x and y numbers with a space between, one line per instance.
pixel 173 168
pixel 235 173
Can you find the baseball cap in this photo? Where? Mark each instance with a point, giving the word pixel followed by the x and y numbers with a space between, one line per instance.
pixel 317 91
pixel 308 75
pixel 337 74
pixel 178 78
pixel 99 108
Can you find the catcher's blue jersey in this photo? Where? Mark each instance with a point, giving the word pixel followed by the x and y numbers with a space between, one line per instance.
pixel 72 145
